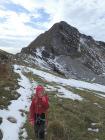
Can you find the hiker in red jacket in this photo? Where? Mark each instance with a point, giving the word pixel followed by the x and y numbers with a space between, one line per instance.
pixel 38 111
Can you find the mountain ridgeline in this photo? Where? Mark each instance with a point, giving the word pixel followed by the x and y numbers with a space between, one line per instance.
pixel 65 50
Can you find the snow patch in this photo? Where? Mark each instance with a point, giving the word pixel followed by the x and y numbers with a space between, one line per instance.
pixel 93 130
pixel 24 134
pixel 68 94
pixel 54 61
pixel 98 105
pixel 51 88
pixel 37 60
pixel 64 93
pixel 68 82
pixel 39 51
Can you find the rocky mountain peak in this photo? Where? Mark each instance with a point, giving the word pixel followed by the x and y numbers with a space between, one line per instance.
pixel 63 26
pixel 60 39
pixel 62 45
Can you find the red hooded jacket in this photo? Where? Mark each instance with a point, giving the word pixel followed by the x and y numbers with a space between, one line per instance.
pixel 39 104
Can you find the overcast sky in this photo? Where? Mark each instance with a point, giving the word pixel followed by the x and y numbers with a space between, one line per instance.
pixel 21 21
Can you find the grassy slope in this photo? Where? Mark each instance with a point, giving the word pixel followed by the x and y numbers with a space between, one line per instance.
pixel 70 120
pixel 8 79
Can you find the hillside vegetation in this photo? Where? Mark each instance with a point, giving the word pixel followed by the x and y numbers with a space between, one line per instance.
pixel 71 119
pixel 8 85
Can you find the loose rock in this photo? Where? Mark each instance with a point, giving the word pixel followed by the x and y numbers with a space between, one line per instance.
pixel 12 119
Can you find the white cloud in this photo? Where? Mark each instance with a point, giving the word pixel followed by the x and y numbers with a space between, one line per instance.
pixel 14 24
pixel 14 33
pixel 87 15
pixel 83 14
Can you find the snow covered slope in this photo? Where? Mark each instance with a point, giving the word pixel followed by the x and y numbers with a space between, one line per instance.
pixel 69 82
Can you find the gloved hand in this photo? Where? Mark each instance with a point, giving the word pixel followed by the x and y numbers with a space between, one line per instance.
pixel 44 99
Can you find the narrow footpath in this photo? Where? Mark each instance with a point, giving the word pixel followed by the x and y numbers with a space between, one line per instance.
pixel 12 118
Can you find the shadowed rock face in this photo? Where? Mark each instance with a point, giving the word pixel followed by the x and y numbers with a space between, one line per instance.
pixel 75 52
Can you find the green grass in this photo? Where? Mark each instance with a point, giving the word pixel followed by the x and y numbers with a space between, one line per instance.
pixel 91 97
pixel 70 120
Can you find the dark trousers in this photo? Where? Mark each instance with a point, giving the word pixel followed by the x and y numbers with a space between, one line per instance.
pixel 39 126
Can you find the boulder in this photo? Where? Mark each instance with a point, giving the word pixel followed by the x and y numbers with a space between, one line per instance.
pixel 12 119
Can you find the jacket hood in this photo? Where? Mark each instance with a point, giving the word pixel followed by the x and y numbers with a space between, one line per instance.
pixel 39 89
